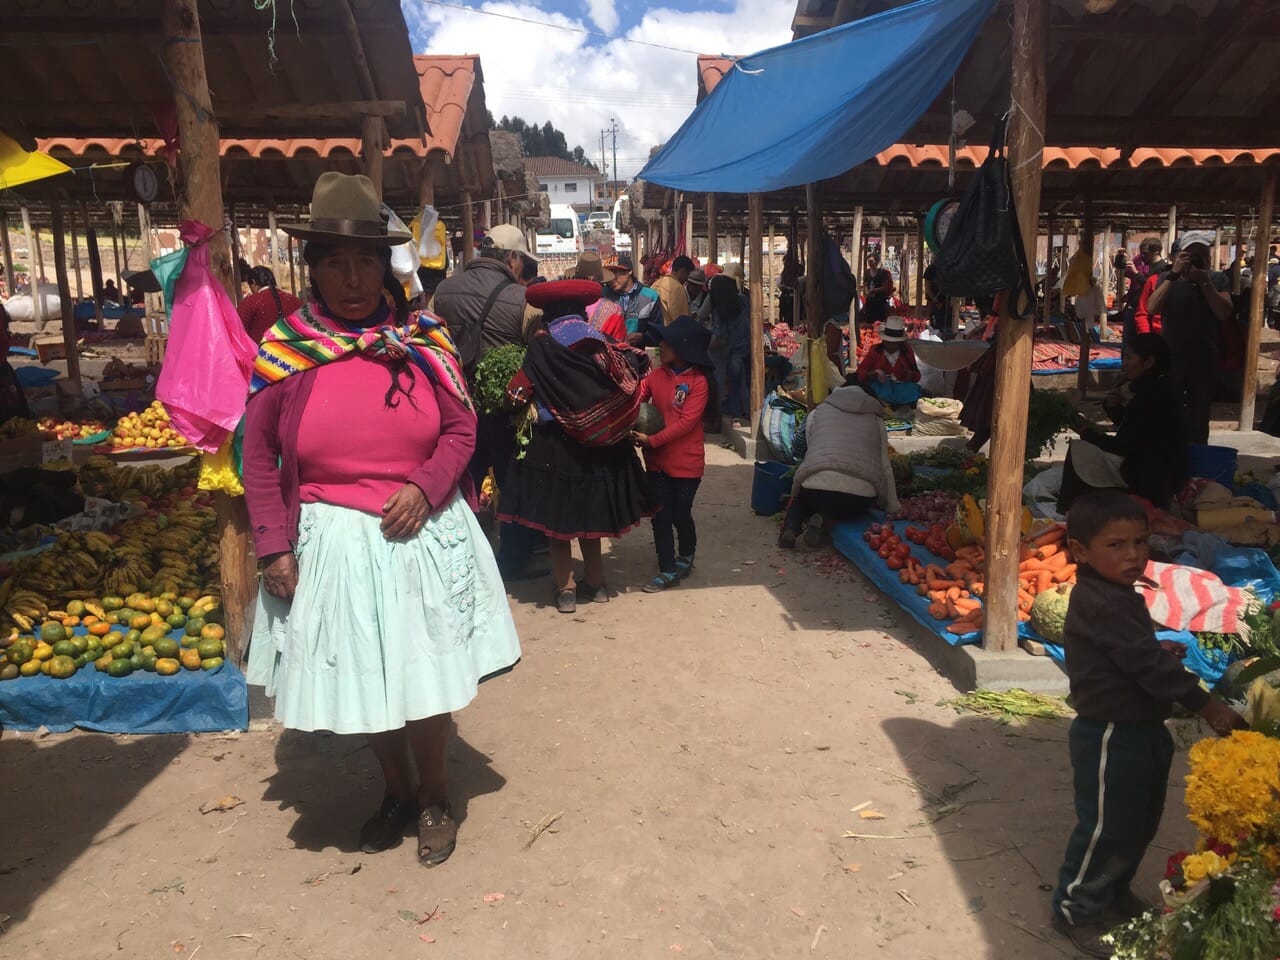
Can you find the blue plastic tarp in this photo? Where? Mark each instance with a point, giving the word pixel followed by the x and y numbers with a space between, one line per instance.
pixel 191 701
pixel 1099 363
pixel 847 537
pixel 814 108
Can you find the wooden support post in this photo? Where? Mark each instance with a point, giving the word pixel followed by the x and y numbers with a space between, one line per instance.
pixel 64 293
pixel 75 254
pixel 293 270
pixel 713 230
pixel 1257 300
pixel 1047 303
pixel 95 263
pixel 688 230
pixel 38 253
pixel 115 251
pixel 1237 280
pixel 919 262
pixel 148 254
pixel 813 283
pixel 1105 280
pixel 273 243
pixel 742 252
pixel 7 251
pixel 372 143
pixel 1216 262
pixel 468 228
pixel 427 186
pixel 201 200
pixel 1086 323
pixel 1013 358
pixel 773 274
pixel 755 228
pixel 1171 230
pixel 237 281
pixel 33 253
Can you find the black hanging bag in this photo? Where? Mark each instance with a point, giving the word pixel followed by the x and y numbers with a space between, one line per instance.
pixel 982 253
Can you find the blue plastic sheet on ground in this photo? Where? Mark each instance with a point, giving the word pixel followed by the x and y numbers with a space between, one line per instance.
pixel 1208 665
pixel 847 538
pixel 191 701
pixel 1101 363
pixel 29 376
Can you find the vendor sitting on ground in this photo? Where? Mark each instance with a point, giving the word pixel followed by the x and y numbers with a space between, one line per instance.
pixel 889 368
pixel 1148 454
pixel 844 468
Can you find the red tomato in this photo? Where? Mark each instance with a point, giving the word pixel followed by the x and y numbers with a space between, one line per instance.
pixel 894 562
pixel 875 542
pixel 884 551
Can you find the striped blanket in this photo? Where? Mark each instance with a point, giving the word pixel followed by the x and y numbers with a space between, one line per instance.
pixel 1186 598
pixel 308 338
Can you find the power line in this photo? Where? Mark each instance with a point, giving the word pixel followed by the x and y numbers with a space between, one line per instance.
pixel 557 26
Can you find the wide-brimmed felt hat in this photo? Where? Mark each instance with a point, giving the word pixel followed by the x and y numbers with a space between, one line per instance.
pixel 345 209
pixel 571 294
pixel 894 330
pixel 589 267
pixel 688 338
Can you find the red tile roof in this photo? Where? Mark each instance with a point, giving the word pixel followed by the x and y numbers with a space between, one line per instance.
pixel 711 70
pixel 446 84
pixel 557 167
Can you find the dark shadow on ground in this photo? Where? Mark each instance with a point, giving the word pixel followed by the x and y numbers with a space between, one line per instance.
pixel 58 795
pixel 1002 803
pixel 332 783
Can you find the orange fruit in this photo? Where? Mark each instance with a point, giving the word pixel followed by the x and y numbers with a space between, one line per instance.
pixel 140 621
pixel 167 666
pixel 70 621
pixel 90 620
pixel 212 631
pixel 190 659
pixel 100 629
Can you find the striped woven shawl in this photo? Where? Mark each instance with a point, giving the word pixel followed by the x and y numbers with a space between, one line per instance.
pixel 308 339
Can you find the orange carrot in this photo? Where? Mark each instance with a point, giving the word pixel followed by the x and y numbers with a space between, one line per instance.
pixel 977 588
pixel 966 607
pixel 1051 535
pixel 1065 573
pixel 938 610
pixel 1047 551
pixel 1044 580
pixel 953 593
pixel 1056 562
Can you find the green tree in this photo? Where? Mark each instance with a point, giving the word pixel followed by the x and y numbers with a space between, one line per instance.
pixel 542 141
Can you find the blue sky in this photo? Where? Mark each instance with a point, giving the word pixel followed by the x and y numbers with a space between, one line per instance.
pixel 579 81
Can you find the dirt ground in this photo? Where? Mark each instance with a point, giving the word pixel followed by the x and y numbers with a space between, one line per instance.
pixel 699 754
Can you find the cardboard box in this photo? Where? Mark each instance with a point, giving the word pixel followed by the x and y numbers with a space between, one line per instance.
pixel 49 348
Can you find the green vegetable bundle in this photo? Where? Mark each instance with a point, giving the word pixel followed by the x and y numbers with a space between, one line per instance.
pixel 493 373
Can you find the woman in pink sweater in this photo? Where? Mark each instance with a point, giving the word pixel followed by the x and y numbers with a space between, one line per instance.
pixel 381 607
pixel 674 456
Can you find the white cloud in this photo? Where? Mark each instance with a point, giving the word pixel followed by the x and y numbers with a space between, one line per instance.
pixel 604 14
pixel 578 84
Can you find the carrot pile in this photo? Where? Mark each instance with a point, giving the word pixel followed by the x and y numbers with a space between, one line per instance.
pixel 954 591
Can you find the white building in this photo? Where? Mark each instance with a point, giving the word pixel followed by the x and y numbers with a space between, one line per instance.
pixel 564 181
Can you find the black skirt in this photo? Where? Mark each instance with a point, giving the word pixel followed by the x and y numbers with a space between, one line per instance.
pixel 570 491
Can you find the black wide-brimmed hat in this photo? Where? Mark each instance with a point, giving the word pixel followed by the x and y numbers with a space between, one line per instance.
pixel 688 338
pixel 345 209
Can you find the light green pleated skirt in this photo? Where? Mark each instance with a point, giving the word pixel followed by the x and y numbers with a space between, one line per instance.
pixel 380 633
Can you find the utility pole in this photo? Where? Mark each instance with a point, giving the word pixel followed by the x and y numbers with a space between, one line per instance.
pixel 613 128
pixel 604 169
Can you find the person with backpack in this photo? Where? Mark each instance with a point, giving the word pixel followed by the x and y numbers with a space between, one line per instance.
pixel 266 304
pixel 574 475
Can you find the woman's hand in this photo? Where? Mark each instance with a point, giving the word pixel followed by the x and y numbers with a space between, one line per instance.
pixel 280 576
pixel 404 514
pixel 639 439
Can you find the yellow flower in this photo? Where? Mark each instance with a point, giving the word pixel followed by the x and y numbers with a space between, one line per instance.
pixel 1201 866
pixel 1233 786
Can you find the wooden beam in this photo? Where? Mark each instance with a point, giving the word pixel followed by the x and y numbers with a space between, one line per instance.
pixel 1257 300
pixel 1237 280
pixel 94 252
pixel 1030 46
pixel 1105 280
pixel 1047 302
pixel 293 272
pixel 468 228
pixel 273 243
pixel 855 253
pixel 34 258
pixel 755 275
pixel 352 29
pixel 75 255
pixel 773 273
pixel 919 262
pixel 7 251
pixel 64 295
pixel 427 186
pixel 1171 231
pixel 1086 339
pixel 115 253
pixel 813 283
pixel 372 143
pixel 713 229
pixel 201 200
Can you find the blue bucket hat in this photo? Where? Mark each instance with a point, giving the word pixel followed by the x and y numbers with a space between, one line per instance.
pixel 688 338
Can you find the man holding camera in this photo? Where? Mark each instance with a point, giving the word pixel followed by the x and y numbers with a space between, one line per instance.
pixel 1192 301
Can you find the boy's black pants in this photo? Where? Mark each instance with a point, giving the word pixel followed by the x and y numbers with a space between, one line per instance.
pixel 673 497
pixel 1121 773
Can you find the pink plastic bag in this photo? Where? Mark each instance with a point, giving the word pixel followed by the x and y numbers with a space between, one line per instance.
pixel 204 382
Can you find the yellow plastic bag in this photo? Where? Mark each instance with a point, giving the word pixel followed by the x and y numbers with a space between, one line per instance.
pixel 1079 273
pixel 218 470
pixel 442 239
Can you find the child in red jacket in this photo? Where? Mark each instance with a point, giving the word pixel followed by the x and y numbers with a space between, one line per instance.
pixel 682 391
